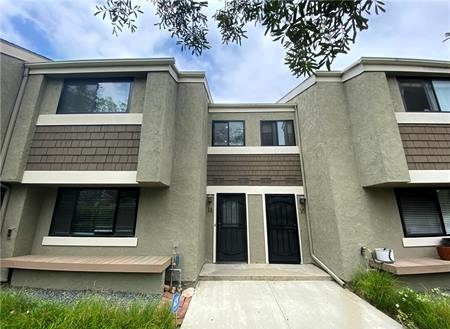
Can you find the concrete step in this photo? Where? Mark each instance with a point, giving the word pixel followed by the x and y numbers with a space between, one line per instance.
pixel 262 272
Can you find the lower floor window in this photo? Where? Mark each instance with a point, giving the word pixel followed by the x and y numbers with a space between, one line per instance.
pixel 95 212
pixel 424 211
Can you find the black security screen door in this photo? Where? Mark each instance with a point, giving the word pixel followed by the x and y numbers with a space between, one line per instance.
pixel 282 229
pixel 231 228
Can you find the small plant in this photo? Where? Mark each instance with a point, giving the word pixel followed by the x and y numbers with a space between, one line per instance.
pixel 414 310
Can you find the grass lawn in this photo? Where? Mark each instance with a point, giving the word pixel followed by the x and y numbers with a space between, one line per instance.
pixel 19 310
pixel 418 310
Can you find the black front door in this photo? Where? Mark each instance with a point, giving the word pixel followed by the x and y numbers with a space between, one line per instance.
pixel 231 228
pixel 282 230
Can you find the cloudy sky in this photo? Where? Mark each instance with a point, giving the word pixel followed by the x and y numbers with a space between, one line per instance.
pixel 254 72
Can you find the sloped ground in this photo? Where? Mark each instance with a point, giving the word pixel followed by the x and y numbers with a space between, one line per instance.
pixel 281 305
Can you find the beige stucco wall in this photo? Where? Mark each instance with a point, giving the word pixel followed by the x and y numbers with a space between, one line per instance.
pixel 252 123
pixel 343 214
pixel 374 132
pixel 11 71
pixel 157 133
pixel 17 153
pixel 255 226
pixel 127 282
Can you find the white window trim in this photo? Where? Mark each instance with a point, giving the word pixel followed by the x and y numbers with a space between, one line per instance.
pixel 89 119
pixel 79 177
pixel 423 117
pixel 253 150
pixel 255 189
pixel 422 242
pixel 89 241
pixel 429 176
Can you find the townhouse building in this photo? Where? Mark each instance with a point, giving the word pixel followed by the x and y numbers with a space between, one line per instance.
pixel 110 167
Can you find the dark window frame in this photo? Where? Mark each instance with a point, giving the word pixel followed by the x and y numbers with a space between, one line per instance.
pixel 276 132
pixel 228 137
pixel 418 78
pixel 438 207
pixel 78 189
pixel 87 80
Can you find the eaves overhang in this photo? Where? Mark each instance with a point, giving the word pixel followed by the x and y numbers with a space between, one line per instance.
pixel 122 66
pixel 371 64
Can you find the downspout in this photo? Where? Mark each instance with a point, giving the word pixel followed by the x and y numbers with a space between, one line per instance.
pixel 13 119
pixel 308 224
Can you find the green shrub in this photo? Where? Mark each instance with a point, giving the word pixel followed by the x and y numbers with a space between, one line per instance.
pixel 18 310
pixel 415 310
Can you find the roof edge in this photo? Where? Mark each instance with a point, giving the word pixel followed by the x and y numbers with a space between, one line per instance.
pixel 370 64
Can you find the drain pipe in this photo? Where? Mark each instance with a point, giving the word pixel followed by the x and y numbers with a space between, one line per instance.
pixel 308 224
pixel 13 119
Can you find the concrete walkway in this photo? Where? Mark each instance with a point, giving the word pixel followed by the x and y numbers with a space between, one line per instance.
pixel 281 305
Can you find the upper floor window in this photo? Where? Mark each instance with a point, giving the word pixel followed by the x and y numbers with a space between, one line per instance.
pixel 95 212
pixel 95 96
pixel 425 95
pixel 277 133
pixel 424 211
pixel 228 133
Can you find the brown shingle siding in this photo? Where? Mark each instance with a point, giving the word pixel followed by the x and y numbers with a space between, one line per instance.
pixel 254 169
pixel 96 147
pixel 427 146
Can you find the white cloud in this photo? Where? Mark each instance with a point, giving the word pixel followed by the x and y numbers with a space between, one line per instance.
pixel 254 72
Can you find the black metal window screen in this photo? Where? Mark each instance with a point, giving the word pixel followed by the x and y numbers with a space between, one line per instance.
pixel 95 212
pixel 277 133
pixel 424 211
pixel 228 133
pixel 95 96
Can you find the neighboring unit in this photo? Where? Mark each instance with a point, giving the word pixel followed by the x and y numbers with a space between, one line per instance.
pixel 111 167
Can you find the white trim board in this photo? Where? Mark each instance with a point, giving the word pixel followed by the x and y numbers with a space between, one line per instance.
pixel 255 189
pixel 79 177
pixel 422 242
pixel 90 119
pixel 253 150
pixel 423 117
pixel 429 176
pixel 89 241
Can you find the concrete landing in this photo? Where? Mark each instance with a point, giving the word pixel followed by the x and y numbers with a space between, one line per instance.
pixel 262 272
pixel 281 305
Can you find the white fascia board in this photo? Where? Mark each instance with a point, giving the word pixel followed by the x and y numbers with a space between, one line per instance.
pixel 429 176
pixel 308 82
pixel 250 189
pixel 253 150
pixel 423 117
pixel 89 241
pixel 79 177
pixel 89 119
pixel 251 108
pixel 422 242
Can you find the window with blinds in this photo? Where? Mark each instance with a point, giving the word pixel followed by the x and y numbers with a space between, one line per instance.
pixel 424 211
pixel 95 212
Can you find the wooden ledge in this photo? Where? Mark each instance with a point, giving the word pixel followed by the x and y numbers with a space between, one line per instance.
pixel 118 264
pixel 409 266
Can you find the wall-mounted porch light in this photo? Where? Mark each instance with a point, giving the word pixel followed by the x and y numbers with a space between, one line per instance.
pixel 302 203
pixel 209 201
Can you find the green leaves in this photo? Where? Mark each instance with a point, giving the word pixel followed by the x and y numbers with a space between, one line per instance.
pixel 313 32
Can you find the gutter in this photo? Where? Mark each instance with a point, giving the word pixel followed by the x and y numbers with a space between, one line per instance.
pixel 13 119
pixel 308 224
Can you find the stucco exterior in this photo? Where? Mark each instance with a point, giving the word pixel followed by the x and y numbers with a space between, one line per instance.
pixel 348 158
